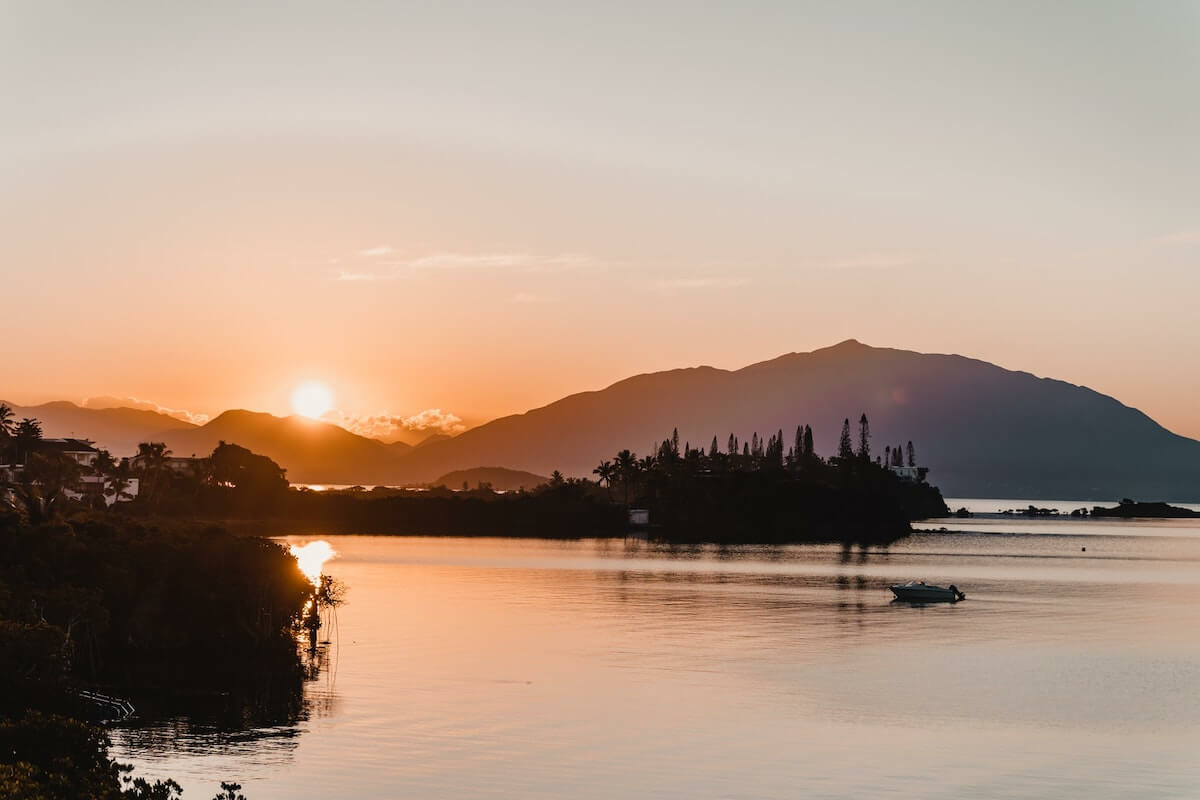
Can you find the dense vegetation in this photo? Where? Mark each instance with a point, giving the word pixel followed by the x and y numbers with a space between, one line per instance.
pixel 749 492
pixel 759 493
pixel 755 491
pixel 105 602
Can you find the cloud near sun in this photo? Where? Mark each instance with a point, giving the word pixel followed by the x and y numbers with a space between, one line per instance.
pixel 388 426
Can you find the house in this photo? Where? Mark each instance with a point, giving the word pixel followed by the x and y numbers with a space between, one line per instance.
pixel 80 451
pixel 90 485
pixel 179 465
pixel 912 474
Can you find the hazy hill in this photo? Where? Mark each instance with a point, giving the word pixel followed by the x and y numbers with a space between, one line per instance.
pixel 983 430
pixel 116 429
pixel 312 452
pixel 499 477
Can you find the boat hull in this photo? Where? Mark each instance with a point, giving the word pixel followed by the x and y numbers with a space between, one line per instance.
pixel 920 593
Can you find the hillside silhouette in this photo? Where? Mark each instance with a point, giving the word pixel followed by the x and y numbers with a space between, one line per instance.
pixel 311 451
pixel 116 429
pixel 984 430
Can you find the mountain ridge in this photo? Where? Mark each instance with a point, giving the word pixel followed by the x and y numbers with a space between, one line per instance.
pixel 984 430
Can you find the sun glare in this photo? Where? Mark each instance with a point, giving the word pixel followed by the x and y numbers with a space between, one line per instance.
pixel 311 558
pixel 312 399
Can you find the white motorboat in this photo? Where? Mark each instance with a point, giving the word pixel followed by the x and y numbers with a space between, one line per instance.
pixel 921 592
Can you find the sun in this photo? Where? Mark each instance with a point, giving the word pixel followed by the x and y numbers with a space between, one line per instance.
pixel 312 399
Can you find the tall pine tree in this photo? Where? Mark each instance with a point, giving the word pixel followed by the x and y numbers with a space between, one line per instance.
pixel 845 446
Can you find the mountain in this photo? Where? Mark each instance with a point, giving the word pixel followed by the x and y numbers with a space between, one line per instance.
pixel 499 477
pixel 983 431
pixel 116 429
pixel 311 451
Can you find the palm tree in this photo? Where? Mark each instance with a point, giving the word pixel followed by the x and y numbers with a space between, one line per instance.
pixel 604 474
pixel 7 427
pixel 24 435
pixel 153 458
pixel 119 478
pixel 44 482
pixel 627 469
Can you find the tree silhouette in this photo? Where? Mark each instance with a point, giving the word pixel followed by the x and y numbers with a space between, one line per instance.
pixel 912 455
pixel 604 474
pixel 25 434
pixel 7 428
pixel 864 438
pixel 152 457
pixel 845 447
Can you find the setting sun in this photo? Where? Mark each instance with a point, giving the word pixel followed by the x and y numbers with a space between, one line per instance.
pixel 312 399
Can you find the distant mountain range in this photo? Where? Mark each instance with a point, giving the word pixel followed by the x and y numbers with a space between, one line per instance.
pixel 983 431
pixel 117 429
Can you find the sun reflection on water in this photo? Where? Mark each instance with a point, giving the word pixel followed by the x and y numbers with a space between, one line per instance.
pixel 311 558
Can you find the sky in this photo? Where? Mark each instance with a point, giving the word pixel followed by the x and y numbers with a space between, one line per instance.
pixel 449 212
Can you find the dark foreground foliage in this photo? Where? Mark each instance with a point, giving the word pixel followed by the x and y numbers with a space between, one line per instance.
pixel 111 603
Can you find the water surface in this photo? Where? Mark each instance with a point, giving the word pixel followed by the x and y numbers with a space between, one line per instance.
pixel 536 669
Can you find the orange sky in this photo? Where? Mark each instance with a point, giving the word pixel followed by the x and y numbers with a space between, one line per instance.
pixel 481 212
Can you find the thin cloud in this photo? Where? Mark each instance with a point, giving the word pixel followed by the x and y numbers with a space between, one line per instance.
pixel 144 405
pixel 874 261
pixel 344 275
pixel 699 283
pixel 522 261
pixel 391 269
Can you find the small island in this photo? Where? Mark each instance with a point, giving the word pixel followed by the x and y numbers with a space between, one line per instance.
pixel 1130 509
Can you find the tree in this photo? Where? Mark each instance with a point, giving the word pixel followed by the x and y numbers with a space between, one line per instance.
pixel 7 428
pixel 44 482
pixel 732 446
pixel 712 449
pixel 152 460
pixel 27 432
pixel 253 477
pixel 675 442
pixel 864 438
pixel 117 485
pixel 912 454
pixel 887 456
pixel 845 447
pixel 627 470
pixel 604 473
pixel 809 452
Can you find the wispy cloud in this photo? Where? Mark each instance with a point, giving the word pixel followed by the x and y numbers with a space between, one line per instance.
pixel 377 269
pixel 345 275
pixel 144 405
pixel 707 282
pixel 390 427
pixel 1181 237
pixel 874 261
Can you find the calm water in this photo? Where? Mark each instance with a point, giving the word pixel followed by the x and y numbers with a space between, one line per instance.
pixel 508 668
